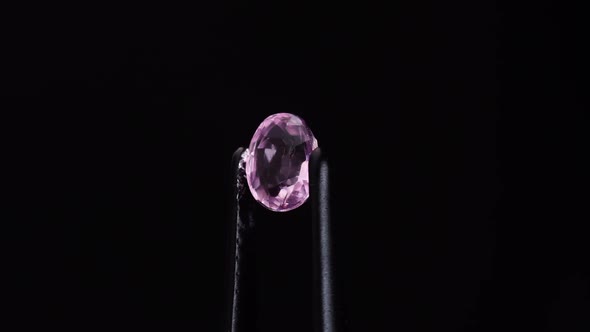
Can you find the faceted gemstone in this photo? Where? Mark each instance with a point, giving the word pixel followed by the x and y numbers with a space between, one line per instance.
pixel 277 162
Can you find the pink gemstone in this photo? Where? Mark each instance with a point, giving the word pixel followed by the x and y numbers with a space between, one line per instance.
pixel 277 162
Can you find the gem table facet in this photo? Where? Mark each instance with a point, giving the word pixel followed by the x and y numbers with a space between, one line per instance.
pixel 277 162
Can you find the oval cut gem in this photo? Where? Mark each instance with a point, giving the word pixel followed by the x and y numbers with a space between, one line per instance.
pixel 277 162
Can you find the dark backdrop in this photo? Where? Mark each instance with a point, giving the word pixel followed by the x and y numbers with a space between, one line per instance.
pixel 455 134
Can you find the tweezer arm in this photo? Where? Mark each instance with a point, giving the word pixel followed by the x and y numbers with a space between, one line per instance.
pixel 241 285
pixel 325 314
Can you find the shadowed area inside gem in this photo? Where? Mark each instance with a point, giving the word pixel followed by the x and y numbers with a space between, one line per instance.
pixel 281 164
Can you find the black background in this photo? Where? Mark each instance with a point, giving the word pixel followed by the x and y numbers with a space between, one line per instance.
pixel 455 133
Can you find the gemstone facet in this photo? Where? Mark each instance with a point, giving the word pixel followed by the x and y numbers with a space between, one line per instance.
pixel 277 162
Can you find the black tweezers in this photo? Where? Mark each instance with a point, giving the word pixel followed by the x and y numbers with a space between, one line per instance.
pixel 242 288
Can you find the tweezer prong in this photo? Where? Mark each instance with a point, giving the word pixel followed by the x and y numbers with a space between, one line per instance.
pixel 324 293
pixel 241 260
